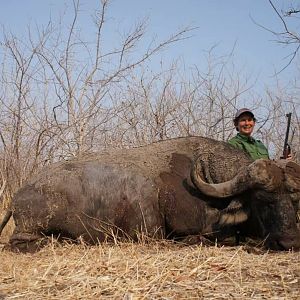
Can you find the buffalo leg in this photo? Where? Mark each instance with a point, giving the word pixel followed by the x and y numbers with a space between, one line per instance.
pixel 5 220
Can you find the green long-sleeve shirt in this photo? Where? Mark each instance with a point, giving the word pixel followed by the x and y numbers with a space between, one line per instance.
pixel 254 148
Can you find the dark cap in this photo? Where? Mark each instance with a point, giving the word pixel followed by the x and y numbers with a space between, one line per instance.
pixel 243 111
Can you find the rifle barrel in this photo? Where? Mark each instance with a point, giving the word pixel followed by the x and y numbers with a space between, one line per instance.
pixel 286 141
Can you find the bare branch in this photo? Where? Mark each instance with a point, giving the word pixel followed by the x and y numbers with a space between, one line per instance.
pixel 287 36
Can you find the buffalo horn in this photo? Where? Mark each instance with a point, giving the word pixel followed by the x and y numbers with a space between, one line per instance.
pixel 261 173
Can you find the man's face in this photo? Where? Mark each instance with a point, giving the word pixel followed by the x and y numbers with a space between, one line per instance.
pixel 245 124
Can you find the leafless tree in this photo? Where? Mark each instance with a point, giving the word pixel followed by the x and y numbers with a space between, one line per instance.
pixel 62 95
pixel 56 89
pixel 287 36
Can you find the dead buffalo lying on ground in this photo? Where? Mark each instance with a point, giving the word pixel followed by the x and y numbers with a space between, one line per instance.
pixel 174 188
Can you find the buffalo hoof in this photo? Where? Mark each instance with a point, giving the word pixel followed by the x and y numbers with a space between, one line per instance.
pixel 25 243
pixel 283 242
pixel 23 247
pixel 196 240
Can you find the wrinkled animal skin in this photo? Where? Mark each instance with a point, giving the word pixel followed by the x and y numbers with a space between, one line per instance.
pixel 126 192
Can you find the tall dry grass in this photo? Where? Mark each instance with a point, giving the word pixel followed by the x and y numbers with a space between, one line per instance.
pixel 148 270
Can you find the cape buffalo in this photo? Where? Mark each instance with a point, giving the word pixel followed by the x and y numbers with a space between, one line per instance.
pixel 173 188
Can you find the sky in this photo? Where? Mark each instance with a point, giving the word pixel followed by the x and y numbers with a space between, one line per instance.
pixel 221 24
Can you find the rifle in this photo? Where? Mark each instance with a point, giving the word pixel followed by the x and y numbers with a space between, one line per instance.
pixel 286 147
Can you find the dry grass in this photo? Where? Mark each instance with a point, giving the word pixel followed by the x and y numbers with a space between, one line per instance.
pixel 154 270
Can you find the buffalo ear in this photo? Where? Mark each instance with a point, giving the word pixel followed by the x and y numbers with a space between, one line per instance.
pixel 292 176
pixel 235 213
